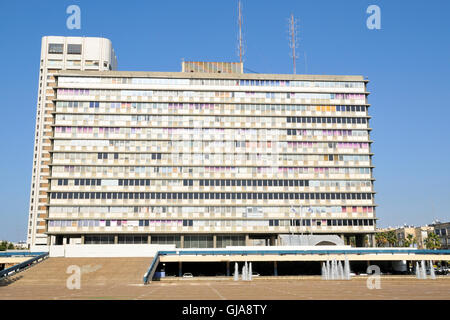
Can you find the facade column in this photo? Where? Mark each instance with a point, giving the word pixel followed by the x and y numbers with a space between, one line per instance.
pixel 182 241
pixel 275 268
pixel 180 269
pixel 247 240
pixel 373 241
pixel 228 268
pixel 116 239
pixel 149 239
pixel 214 241
pixel 82 239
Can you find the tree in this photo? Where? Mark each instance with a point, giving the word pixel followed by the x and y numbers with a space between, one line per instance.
pixel 432 241
pixel 391 238
pixel 380 239
pixel 409 241
pixel 3 245
pixel 352 241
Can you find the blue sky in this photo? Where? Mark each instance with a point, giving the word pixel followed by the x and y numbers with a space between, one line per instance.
pixel 407 63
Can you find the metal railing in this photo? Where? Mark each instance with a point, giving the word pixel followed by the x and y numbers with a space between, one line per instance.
pixel 19 253
pixel 23 265
pixel 293 251
pixel 151 270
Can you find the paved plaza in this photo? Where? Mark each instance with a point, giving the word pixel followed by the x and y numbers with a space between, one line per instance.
pixel 121 278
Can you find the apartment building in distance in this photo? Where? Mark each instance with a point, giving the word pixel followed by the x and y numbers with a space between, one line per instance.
pixel 442 229
pixel 405 234
pixel 207 157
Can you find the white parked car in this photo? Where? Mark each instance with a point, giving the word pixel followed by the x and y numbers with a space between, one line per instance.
pixel 188 275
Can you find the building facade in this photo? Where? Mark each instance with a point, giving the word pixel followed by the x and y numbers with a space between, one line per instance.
pixel 442 229
pixel 408 236
pixel 57 53
pixel 418 234
pixel 206 157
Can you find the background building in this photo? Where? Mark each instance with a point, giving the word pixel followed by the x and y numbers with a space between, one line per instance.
pixel 406 236
pixel 442 229
pixel 208 157
pixel 419 234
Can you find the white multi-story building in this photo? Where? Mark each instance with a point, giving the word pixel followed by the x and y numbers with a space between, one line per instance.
pixel 57 53
pixel 206 157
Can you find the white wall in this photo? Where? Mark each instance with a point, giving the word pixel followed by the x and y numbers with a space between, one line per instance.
pixel 107 250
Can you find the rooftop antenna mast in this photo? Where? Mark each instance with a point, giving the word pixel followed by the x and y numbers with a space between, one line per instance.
pixel 293 39
pixel 241 45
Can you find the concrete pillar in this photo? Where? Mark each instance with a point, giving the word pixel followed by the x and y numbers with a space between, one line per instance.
pixel 228 268
pixel 82 239
pixel 275 268
pixel 247 240
pixel 64 240
pixel 180 269
pixel 53 240
pixel 116 239
pixel 149 239
pixel 373 242
pixel 182 241
pixel 214 241
pixel 272 240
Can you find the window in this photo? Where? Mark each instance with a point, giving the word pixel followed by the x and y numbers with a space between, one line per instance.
pixel 74 48
pixel 55 48
pixel 90 63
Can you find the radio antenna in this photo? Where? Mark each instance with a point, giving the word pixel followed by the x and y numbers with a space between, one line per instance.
pixel 240 36
pixel 293 40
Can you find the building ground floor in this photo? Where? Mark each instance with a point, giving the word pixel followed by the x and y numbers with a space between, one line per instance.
pixel 204 240
pixel 276 268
